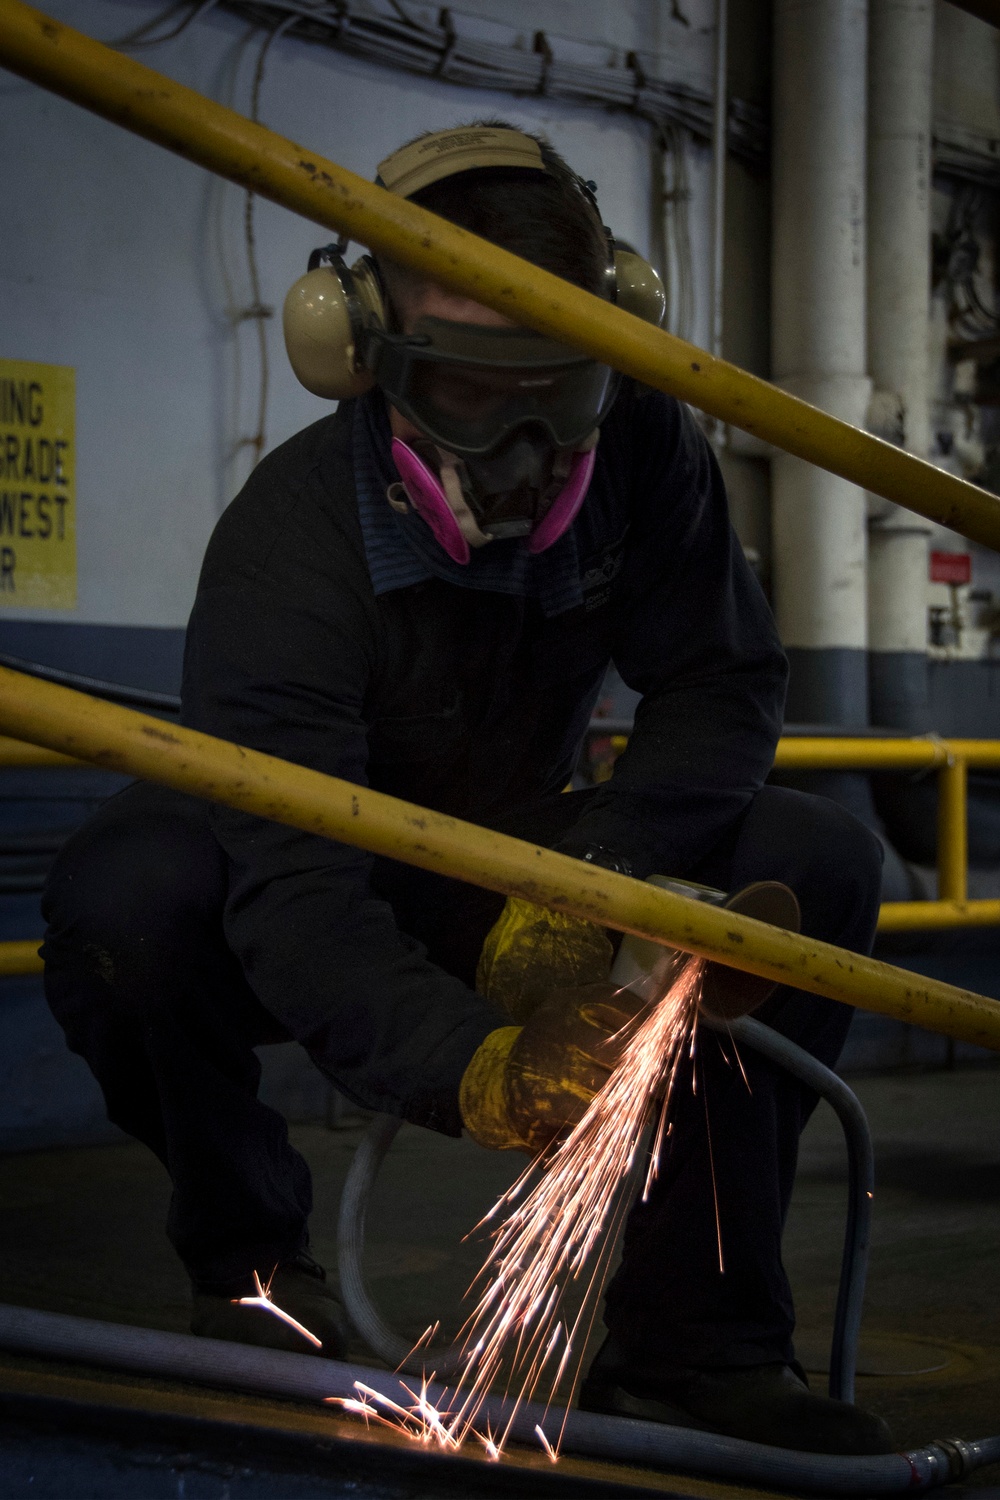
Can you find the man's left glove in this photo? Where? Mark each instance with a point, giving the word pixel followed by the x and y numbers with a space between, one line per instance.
pixel 526 1084
pixel 531 951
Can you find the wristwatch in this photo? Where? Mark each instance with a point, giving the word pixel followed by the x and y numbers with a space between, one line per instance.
pixel 597 854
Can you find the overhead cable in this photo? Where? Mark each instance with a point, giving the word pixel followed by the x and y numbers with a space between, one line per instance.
pixel 396 38
pixel 439 50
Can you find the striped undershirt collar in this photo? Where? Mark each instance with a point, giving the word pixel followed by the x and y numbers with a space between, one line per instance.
pixel 401 550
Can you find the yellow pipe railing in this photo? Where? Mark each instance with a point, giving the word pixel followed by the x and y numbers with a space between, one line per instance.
pixel 847 753
pixel 119 739
pixel 20 958
pixel 152 105
pixel 16 754
pixel 131 95
pixel 952 830
pixel 951 759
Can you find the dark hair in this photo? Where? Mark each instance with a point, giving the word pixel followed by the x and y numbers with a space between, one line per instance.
pixel 547 218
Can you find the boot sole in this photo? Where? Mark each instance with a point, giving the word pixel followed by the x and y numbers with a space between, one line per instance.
pixel 614 1401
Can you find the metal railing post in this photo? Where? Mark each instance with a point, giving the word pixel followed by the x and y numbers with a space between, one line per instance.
pixel 953 830
pixel 20 958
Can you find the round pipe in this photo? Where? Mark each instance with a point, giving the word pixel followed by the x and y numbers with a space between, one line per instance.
pixel 900 100
pixel 901 79
pixel 121 739
pixel 818 342
pixel 925 916
pixel 21 957
pixel 305 1377
pixel 850 753
pixel 720 121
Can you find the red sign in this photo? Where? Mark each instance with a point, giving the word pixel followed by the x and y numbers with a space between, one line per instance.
pixel 951 567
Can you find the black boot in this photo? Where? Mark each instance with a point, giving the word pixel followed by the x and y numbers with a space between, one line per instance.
pixel 299 1288
pixel 760 1403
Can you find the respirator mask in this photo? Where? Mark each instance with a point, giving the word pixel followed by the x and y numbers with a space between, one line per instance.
pixel 509 419
pixel 509 423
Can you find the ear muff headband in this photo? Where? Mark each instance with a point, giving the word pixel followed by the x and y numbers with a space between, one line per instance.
pixel 448 152
pixel 330 309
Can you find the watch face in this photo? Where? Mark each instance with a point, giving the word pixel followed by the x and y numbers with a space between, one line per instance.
pixel 595 854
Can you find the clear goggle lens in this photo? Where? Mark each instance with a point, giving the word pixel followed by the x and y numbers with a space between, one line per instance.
pixel 468 387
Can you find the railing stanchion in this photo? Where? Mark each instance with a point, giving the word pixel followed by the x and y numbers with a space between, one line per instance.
pixel 952 830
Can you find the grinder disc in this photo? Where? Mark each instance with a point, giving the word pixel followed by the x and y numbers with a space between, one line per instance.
pixel 729 993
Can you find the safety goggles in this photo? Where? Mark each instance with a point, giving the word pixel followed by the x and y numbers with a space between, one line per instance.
pixel 468 387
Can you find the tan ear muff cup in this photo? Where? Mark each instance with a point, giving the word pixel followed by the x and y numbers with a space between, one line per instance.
pixel 324 318
pixel 728 993
pixel 639 287
pixel 328 309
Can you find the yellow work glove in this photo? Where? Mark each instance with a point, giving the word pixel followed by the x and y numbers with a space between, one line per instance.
pixel 526 1084
pixel 531 951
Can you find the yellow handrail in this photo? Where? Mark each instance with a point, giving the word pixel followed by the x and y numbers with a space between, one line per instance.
pixel 950 758
pixel 152 105
pixel 846 753
pixel 20 958
pixel 16 754
pixel 119 739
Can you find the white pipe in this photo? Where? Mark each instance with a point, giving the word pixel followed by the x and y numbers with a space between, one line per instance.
pixel 901 57
pixel 720 119
pixel 897 580
pixel 818 331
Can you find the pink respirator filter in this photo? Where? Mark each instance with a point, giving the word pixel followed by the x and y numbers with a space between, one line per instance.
pixel 426 494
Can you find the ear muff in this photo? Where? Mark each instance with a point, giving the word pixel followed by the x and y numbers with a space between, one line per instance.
pixel 326 317
pixel 639 287
pixel 329 310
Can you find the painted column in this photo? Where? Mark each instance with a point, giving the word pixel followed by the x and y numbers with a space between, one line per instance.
pixel 901 55
pixel 818 347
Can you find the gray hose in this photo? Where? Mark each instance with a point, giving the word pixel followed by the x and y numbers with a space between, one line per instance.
pixel 371 1152
pixel 860 1191
pixel 306 1377
pixel 361 1310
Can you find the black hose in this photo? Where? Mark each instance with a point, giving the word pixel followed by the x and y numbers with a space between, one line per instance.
pixel 306 1377
pixel 116 692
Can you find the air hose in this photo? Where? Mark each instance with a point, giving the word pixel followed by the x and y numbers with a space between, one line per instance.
pixel 380 1338
pixel 306 1377
pixel 860 1187
pixel 381 1133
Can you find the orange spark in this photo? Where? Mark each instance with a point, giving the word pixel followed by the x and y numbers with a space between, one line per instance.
pixel 561 1232
pixel 266 1303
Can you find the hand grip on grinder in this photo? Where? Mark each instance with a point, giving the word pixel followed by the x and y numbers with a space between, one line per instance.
pixel 727 993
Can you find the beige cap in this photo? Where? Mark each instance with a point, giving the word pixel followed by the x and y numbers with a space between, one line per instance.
pixel 447 152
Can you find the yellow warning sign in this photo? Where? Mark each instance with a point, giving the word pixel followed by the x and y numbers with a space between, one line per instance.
pixel 37 485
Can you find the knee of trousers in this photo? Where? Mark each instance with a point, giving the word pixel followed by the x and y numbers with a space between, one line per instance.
pixel 830 858
pixel 840 854
pixel 849 853
pixel 130 897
